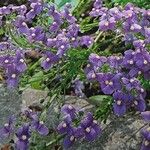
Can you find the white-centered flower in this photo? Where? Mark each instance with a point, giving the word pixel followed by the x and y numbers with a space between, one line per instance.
pixel 6 125
pixel 41 122
pixel 64 125
pixel 136 103
pixel 13 75
pixel 93 75
pixel 70 107
pixel 24 137
pixel 145 62
pixel 62 47
pixel 106 23
pixel 88 130
pixel 110 83
pixel 146 143
pixel 21 60
pixel 47 59
pixel 6 61
pixel 72 138
pixel 119 102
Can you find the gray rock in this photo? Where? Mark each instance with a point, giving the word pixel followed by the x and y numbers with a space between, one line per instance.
pixel 10 102
pixel 32 96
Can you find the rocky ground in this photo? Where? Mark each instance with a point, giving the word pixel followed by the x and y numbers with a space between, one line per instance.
pixel 118 133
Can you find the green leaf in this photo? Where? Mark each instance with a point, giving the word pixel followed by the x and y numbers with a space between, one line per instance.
pixel 2 31
pixel 99 100
pixel 37 77
pixel 36 85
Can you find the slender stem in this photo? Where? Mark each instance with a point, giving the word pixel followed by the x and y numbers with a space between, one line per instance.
pixel 97 38
pixel 55 140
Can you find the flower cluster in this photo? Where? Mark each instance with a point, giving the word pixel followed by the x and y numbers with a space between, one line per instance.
pixel 130 21
pixel 74 129
pixel 13 65
pixel 24 132
pixel 61 35
pixel 121 78
pixel 117 75
pixel 120 75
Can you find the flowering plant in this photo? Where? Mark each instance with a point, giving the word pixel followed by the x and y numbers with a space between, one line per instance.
pixel 46 48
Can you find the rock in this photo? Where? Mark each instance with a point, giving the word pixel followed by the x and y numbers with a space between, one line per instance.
pixel 32 97
pixel 10 102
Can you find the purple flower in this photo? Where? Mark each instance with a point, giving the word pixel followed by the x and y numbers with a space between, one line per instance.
pixel 90 127
pixel 139 44
pixel 90 72
pixel 6 60
pixel 98 3
pixel 68 16
pixel 129 6
pixel 23 134
pixel 30 114
pixel 96 12
pixel 79 87
pixel 69 110
pixel 37 7
pixel 146 135
pixel 119 106
pixel 109 82
pixel 72 31
pixel 12 76
pixel 116 13
pixel 129 38
pixel 128 60
pixel 5 10
pixel 115 61
pixel 96 60
pixel 8 127
pixel 35 34
pixel 146 116
pixel 22 9
pixel 20 62
pixel 49 60
pixel 128 14
pixel 139 103
pixel 64 127
pixel 109 24
pixel 130 83
pixel 86 40
pixel 142 59
pixel 69 139
pixel 135 28
pixel 51 42
pixel 21 24
pixel 73 134
pixel 40 127
pixel 30 15
pixel 147 32
pixel 55 14
pixel 54 27
pixel 4 45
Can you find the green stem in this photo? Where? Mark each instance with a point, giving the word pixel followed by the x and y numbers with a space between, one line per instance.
pixel 97 38
pixel 55 140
